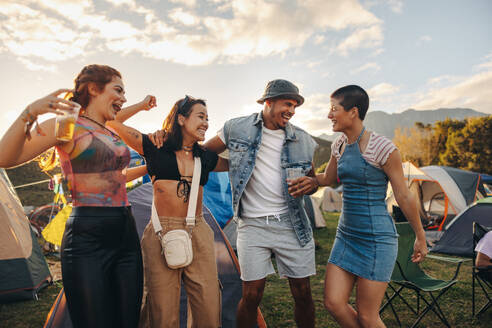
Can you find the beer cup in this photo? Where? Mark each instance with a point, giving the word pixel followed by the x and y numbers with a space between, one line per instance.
pixel 65 123
pixel 294 173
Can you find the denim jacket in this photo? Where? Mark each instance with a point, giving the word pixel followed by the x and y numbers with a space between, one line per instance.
pixel 243 139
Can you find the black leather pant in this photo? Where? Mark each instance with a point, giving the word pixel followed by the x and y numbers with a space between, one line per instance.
pixel 102 267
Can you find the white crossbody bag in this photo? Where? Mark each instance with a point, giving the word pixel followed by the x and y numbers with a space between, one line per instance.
pixel 176 244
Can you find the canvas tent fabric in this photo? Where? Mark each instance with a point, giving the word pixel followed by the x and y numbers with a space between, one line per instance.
pixel 457 239
pixel 442 192
pixel 227 266
pixel 23 269
pixel 432 199
pixel 460 186
pixel 328 199
pixel 313 211
pixel 217 196
pixel 485 178
pixel 136 160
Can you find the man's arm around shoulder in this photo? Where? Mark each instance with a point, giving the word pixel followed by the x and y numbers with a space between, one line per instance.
pixel 215 144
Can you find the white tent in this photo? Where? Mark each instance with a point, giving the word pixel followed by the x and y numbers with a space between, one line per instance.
pixel 328 199
pixel 441 191
pixel 23 269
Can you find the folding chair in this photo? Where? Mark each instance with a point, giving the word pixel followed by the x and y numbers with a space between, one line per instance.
pixel 407 274
pixel 481 275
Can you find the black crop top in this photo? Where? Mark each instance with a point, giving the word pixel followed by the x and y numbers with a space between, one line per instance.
pixel 162 163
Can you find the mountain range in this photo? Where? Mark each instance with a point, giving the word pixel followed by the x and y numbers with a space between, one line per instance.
pixel 385 124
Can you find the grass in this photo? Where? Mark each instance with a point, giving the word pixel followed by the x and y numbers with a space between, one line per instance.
pixel 277 304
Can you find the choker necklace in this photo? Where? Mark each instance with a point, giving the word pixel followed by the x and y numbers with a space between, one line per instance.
pixel 114 135
pixel 187 149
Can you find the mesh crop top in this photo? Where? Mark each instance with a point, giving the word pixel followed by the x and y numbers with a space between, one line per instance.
pixel 94 168
pixel 161 162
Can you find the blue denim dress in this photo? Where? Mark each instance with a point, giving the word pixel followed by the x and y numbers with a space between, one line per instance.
pixel 366 241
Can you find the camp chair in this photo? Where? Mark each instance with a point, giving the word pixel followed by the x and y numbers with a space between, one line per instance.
pixel 407 274
pixel 481 275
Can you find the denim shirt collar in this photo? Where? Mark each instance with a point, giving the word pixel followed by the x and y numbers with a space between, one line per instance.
pixel 289 129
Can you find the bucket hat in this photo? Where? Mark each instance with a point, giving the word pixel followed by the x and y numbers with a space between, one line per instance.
pixel 281 87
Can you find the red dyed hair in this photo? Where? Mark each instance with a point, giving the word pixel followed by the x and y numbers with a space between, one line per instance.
pixel 100 75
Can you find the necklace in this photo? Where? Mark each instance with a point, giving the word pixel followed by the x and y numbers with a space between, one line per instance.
pixel 115 136
pixel 187 149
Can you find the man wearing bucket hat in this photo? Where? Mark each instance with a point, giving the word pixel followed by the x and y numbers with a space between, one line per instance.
pixel 264 150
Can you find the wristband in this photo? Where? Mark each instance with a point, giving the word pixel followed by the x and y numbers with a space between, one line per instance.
pixel 28 120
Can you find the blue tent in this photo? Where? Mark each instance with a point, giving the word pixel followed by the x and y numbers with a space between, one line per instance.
pixel 137 160
pixel 217 196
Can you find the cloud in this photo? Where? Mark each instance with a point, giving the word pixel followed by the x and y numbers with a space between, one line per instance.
pixel 319 39
pixel 368 66
pixel 382 90
pixel 313 115
pixel 188 3
pixel 28 33
pixel 64 29
pixel 472 92
pixel 185 18
pixel 396 5
pixel 370 37
pixel 37 67
pixel 424 39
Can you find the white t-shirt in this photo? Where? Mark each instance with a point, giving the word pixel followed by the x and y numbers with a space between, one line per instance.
pixel 484 245
pixel 263 194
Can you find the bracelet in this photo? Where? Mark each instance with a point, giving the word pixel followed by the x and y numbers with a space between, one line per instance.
pixel 28 120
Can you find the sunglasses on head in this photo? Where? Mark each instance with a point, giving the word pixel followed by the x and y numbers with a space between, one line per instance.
pixel 184 102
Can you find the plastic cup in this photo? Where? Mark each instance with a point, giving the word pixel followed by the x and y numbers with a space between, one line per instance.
pixel 294 173
pixel 65 123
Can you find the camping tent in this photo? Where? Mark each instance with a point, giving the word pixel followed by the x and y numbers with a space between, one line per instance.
pixel 428 192
pixel 136 160
pixel 328 199
pixel 23 269
pixel 457 238
pixel 442 192
pixel 217 196
pixel 313 212
pixel 461 188
pixel 227 266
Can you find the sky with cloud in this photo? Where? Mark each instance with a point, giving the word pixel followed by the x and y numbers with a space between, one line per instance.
pixel 407 54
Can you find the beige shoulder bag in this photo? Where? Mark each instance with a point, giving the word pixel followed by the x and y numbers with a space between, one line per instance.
pixel 176 244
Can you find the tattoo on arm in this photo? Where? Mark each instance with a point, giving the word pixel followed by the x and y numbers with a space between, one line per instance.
pixel 133 133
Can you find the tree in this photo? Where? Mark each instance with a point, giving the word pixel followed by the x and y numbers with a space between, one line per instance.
pixel 470 147
pixel 415 144
pixel 465 144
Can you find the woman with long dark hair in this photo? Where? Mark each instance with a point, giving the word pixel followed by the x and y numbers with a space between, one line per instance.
pixel 100 254
pixel 171 170
pixel 365 247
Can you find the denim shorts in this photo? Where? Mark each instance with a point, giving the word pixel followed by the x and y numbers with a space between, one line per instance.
pixel 258 238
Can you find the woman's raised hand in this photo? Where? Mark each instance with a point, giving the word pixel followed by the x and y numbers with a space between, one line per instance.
pixel 51 104
pixel 149 102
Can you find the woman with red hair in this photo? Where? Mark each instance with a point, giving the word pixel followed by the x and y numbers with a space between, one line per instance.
pixel 100 253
